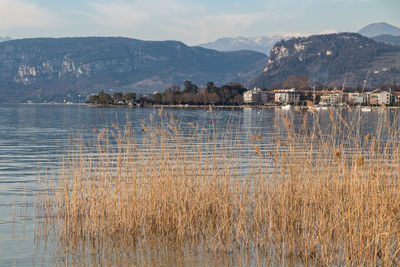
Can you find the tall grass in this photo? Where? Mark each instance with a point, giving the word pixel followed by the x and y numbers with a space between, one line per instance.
pixel 326 192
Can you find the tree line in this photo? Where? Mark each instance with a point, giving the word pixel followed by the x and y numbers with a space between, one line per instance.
pixel 106 99
pixel 228 94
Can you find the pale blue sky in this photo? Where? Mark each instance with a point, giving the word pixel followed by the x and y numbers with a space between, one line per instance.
pixel 190 21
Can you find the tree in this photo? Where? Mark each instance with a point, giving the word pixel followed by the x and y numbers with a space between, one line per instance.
pixel 213 98
pixel 299 82
pixel 174 89
pixel 157 98
pixel 227 93
pixel 210 87
pixel 93 99
pixel 190 87
pixel 117 96
pixel 276 85
pixel 105 99
pixel 129 97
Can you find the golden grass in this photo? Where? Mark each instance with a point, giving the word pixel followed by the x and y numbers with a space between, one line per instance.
pixel 321 195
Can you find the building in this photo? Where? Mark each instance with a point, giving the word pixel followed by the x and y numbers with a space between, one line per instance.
pixel 357 98
pixel 379 97
pixel 331 99
pixel 287 96
pixel 396 97
pixel 255 96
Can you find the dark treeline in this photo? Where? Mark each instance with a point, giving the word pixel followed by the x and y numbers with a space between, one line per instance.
pixel 229 94
pixel 117 98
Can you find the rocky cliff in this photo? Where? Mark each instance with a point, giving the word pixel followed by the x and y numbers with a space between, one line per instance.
pixel 261 44
pixel 329 59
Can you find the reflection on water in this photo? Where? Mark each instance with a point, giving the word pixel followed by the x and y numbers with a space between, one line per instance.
pixel 34 138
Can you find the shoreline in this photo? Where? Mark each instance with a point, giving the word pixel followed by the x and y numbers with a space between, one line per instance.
pixel 301 107
pixel 182 106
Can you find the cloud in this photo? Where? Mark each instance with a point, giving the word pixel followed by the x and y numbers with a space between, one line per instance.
pixel 117 15
pixel 19 14
pixel 328 32
pixel 210 27
pixel 168 19
pixel 123 14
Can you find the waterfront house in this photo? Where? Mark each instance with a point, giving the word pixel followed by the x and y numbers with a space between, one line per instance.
pixel 255 96
pixel 379 97
pixel 287 96
pixel 356 98
pixel 396 97
pixel 332 99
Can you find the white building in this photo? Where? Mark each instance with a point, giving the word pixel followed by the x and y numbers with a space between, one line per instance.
pixel 357 98
pixel 379 97
pixel 331 99
pixel 255 96
pixel 287 96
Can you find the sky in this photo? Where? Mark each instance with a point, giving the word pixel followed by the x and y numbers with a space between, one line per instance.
pixel 190 21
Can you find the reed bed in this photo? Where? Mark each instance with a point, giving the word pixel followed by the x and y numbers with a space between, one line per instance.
pixel 318 195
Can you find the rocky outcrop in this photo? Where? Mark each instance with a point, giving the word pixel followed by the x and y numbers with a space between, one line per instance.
pixel 329 59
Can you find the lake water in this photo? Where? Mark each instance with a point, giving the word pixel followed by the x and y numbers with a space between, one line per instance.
pixel 34 138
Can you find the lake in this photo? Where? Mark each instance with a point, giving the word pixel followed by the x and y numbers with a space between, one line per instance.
pixel 35 137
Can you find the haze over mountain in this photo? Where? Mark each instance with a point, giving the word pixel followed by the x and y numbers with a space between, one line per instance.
pixel 381 32
pixel 332 58
pixel 379 28
pixel 387 39
pixel 49 69
pixel 261 44
pixel 2 39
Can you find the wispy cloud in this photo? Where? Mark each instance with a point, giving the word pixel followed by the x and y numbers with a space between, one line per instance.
pixel 169 18
pixel 210 27
pixel 124 14
pixel 191 21
pixel 19 14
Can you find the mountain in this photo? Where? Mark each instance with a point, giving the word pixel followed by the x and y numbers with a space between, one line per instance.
pixel 331 59
pixel 387 39
pixel 50 69
pixel 3 39
pixel 261 44
pixel 380 28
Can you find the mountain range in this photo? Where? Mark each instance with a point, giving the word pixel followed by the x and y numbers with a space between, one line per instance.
pixel 387 39
pixel 380 32
pixel 380 28
pixel 332 59
pixel 261 44
pixel 3 39
pixel 50 69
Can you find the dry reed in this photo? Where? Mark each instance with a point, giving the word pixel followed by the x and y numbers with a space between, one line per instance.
pixel 320 195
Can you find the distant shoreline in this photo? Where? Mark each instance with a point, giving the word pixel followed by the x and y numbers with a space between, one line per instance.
pixel 183 106
pixel 189 106
pixel 302 107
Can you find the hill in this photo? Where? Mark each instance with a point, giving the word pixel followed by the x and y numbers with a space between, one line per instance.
pixel 261 44
pixel 387 39
pixel 3 39
pixel 48 69
pixel 380 28
pixel 329 59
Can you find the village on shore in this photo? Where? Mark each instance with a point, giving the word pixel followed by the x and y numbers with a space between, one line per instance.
pixel 335 97
pixel 236 95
